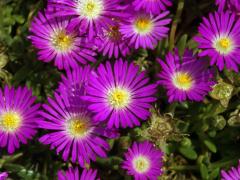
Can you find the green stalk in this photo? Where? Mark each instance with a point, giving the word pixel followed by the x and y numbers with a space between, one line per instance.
pixel 175 23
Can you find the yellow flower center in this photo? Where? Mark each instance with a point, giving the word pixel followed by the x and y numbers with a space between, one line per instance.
pixel 90 9
pixel 141 164
pixel 10 121
pixel 223 45
pixel 78 127
pixel 62 42
pixel 143 25
pixel 118 98
pixel 183 80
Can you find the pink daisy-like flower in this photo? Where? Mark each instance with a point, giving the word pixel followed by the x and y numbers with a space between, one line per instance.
pixel 18 117
pixel 120 95
pixel 74 174
pixel 55 42
pixel 73 131
pixel 232 174
pixel 186 78
pixel 145 30
pixel 152 6
pixel 112 43
pixel 143 161
pixel 220 40
pixel 88 15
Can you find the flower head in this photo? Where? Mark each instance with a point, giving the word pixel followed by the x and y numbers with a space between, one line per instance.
pixel 120 94
pixel 152 6
pixel 145 30
pixel 184 79
pixel 143 161
pixel 54 41
pixel 74 174
pixel 232 174
pixel 18 117
pixel 88 15
pixel 219 39
pixel 112 43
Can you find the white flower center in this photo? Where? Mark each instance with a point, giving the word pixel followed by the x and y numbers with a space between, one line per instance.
pixel 182 80
pixel 223 44
pixel 78 127
pixel 61 41
pixel 10 121
pixel 141 164
pixel 119 97
pixel 90 9
pixel 143 25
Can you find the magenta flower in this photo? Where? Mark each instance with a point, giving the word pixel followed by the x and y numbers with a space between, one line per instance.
pixel 152 6
pixel 56 43
pixel 145 30
pixel 112 43
pixel 232 174
pixel 88 15
pixel 3 175
pixel 72 128
pixel 143 161
pixel 73 174
pixel 18 117
pixel 184 79
pixel 120 94
pixel 220 40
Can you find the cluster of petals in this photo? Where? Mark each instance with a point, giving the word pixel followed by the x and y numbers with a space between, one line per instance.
pixel 71 33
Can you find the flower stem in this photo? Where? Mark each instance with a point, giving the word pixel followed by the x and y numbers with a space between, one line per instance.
pixel 175 23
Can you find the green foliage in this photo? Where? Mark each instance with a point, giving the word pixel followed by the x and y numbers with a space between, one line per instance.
pixel 199 139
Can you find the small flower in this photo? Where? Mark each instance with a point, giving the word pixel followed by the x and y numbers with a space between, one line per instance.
pixel 232 174
pixel 18 117
pixel 56 42
pixel 3 175
pixel 73 174
pixel 220 40
pixel 145 30
pixel 186 79
pixel 88 15
pixel 112 43
pixel 120 94
pixel 152 6
pixel 72 131
pixel 143 161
